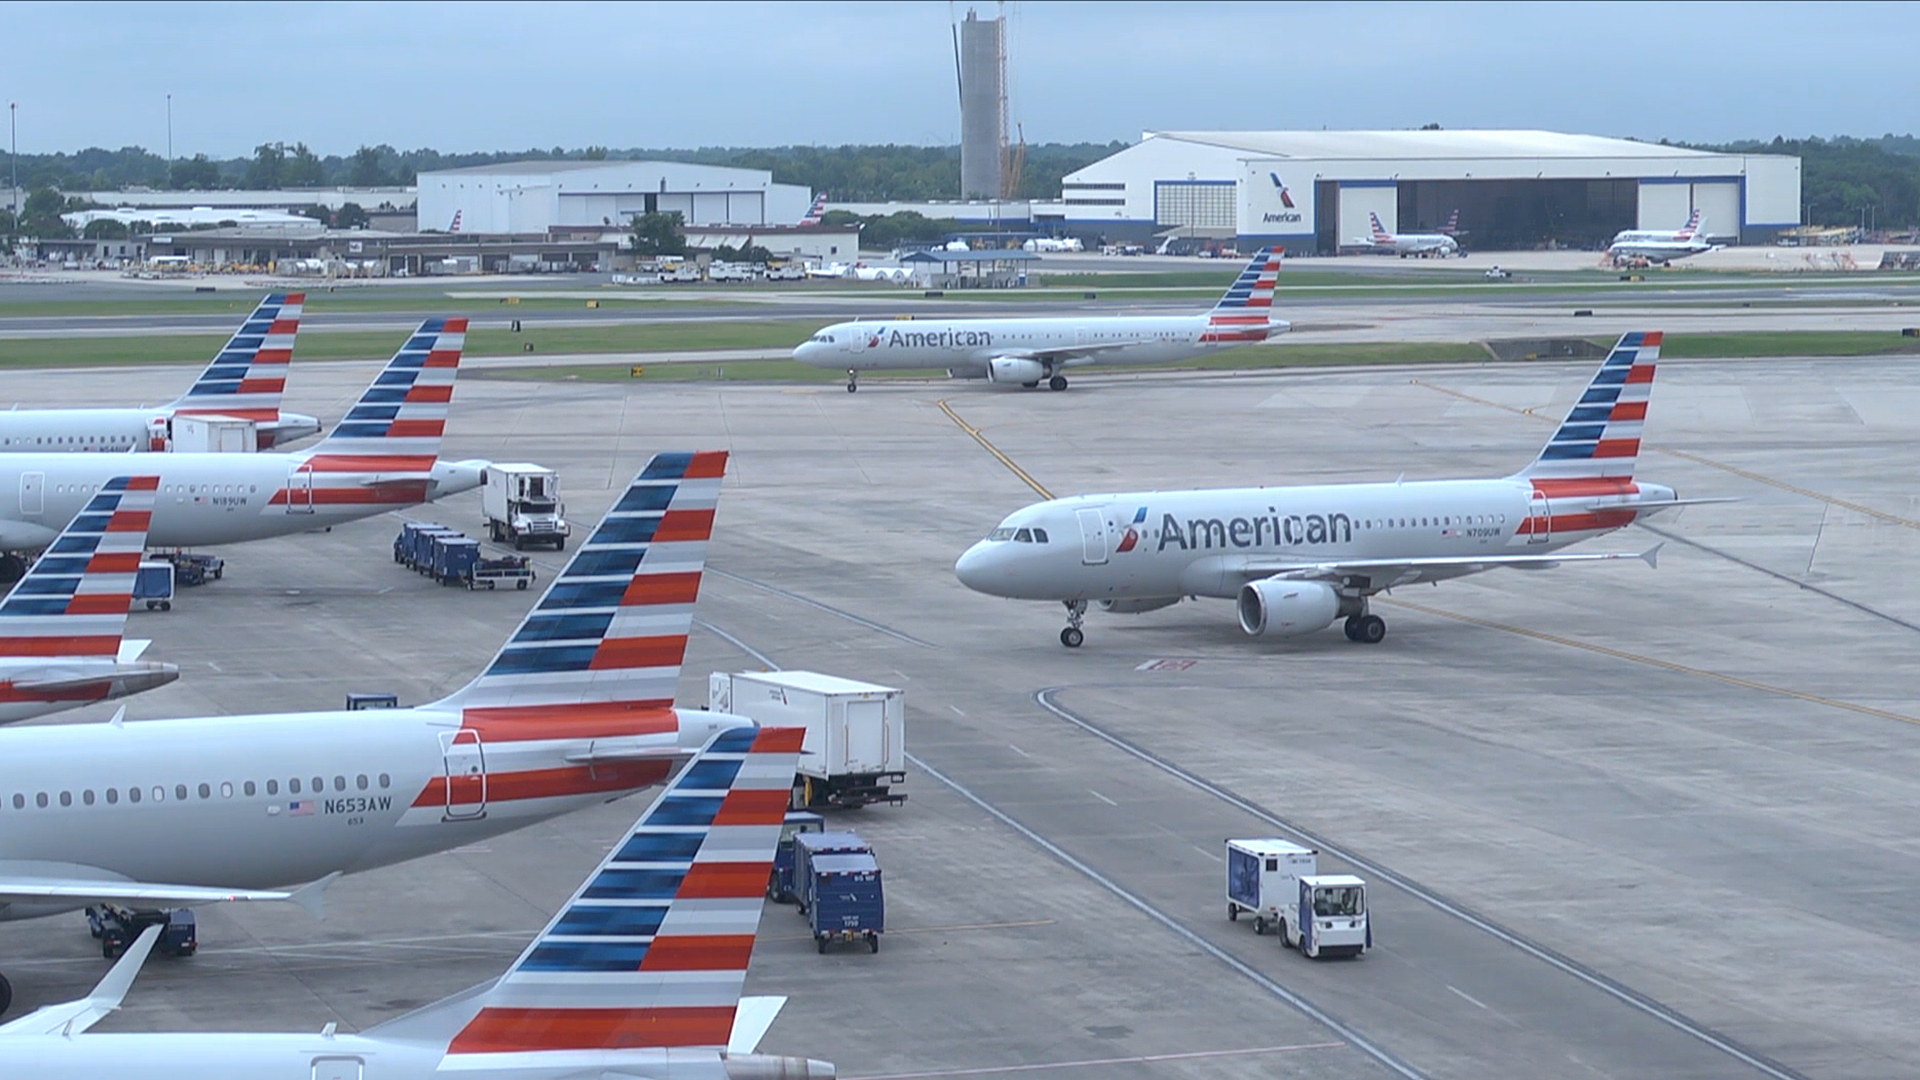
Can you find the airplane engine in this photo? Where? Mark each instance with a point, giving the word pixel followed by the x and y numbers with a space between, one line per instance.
pixel 1139 604
pixel 1015 369
pixel 1286 608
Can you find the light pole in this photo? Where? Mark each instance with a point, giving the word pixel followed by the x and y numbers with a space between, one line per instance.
pixel 13 157
pixel 169 129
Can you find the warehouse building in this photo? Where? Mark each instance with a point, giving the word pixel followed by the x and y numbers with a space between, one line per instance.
pixel 1312 191
pixel 535 196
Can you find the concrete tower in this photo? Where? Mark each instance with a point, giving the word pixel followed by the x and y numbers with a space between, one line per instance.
pixel 983 106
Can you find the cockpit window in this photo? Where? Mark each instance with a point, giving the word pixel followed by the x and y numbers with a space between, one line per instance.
pixel 1024 536
pixel 1039 536
pixel 1000 534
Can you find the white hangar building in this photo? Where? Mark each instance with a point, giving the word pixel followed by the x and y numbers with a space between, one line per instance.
pixel 535 196
pixel 1311 191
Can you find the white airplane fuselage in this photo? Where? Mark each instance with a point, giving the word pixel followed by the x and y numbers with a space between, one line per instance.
pixel 257 801
pixel 1418 244
pixel 1198 543
pixel 208 499
pixel 1657 250
pixel 967 346
pixel 120 430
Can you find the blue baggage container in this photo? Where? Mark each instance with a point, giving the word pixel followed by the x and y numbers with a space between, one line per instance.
pixel 414 546
pixel 848 901
pixel 780 882
pixel 454 558
pixel 153 584
pixel 810 846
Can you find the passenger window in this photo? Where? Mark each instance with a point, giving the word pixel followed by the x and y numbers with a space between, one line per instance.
pixel 113 796
pixel 66 798
pixel 133 794
pixel 385 780
pixel 339 783
pixel 319 784
pixel 159 793
pixel 87 796
pixel 273 787
pixel 40 800
pixel 180 792
pixel 293 786
pixel 206 792
pixel 247 789
pixel 19 802
pixel 360 781
pixel 226 789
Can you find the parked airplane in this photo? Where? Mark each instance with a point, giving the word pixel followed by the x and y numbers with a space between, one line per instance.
pixel 383 455
pixel 575 709
pixel 244 381
pixel 1032 351
pixel 1405 244
pixel 1053 243
pixel 1295 559
pixel 1662 245
pixel 815 212
pixel 61 627
pixel 639 974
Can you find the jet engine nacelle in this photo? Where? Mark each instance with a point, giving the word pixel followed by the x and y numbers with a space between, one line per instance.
pixel 1138 604
pixel 1286 608
pixel 1015 369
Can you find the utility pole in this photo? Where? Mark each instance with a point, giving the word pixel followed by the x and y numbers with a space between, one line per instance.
pixel 13 157
pixel 169 129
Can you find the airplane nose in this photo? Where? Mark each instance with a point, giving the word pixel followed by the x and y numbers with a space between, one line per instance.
pixel 804 351
pixel 971 567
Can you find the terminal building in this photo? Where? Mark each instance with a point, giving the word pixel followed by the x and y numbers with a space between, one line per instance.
pixel 538 196
pixel 1312 191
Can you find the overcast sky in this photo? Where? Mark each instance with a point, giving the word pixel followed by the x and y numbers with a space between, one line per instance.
pixel 484 76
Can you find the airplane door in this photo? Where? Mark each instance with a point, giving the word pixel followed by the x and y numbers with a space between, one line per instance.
pixel 1540 513
pixel 300 490
pixel 466 766
pixel 337 1067
pixel 33 494
pixel 1093 538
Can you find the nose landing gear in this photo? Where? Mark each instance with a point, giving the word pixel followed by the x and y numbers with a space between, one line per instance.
pixel 1072 636
pixel 853 380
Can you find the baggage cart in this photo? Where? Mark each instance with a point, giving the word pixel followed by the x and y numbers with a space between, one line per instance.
pixel 454 558
pixel 848 901
pixel 492 573
pixel 780 881
pixel 808 846
pixel 153 584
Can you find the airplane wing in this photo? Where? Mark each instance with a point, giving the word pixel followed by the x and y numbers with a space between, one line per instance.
pixel 1069 352
pixel 73 1017
pixel 1383 574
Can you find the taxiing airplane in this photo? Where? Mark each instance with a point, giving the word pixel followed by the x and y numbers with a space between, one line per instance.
pixel 639 974
pixel 815 212
pixel 575 709
pixel 62 626
pixel 1296 559
pixel 383 455
pixel 1404 244
pixel 1662 245
pixel 1030 351
pixel 245 381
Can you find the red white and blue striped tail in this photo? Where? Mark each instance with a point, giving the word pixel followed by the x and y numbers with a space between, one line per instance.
pixel 817 211
pixel 1600 438
pixel 74 600
pixel 397 424
pixel 249 373
pixel 651 952
pixel 1245 313
pixel 1380 233
pixel 610 634
pixel 1692 226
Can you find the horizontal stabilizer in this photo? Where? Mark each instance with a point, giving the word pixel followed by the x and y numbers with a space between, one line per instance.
pixel 751 1021
pixel 73 1017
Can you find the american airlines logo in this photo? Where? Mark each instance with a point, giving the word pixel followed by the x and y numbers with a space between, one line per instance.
pixel 1289 216
pixel 933 339
pixel 1253 532
pixel 1286 198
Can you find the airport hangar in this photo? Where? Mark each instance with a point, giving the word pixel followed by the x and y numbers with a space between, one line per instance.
pixel 1311 191
pixel 537 196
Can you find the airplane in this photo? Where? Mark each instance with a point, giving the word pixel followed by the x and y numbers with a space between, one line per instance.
pixel 815 212
pixel 1422 244
pixel 454 225
pixel 1296 559
pixel 1053 243
pixel 639 974
pixel 1030 351
pixel 575 709
pixel 62 626
pixel 382 456
pixel 1662 245
pixel 245 380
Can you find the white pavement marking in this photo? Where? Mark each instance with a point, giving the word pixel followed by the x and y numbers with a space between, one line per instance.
pixel 1091 1063
pixel 1101 797
pixel 1469 998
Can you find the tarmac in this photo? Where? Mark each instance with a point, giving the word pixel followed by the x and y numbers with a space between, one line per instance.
pixel 1618 822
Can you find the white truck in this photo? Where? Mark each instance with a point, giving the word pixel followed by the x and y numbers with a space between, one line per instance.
pixel 856 745
pixel 521 503
pixel 1279 882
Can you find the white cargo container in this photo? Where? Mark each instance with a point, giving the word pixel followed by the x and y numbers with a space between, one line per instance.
pixel 1278 881
pixel 521 503
pixel 856 745
pixel 214 435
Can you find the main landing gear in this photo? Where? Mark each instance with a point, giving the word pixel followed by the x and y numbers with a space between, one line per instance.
pixel 1366 629
pixel 1058 382
pixel 853 380
pixel 1072 636
pixel 12 568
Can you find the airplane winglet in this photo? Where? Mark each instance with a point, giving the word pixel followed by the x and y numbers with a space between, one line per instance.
pixel 1652 555
pixel 70 1018
pixel 119 717
pixel 112 990
pixel 313 896
pixel 751 1021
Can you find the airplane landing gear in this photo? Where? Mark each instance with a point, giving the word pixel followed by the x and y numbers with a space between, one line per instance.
pixel 1072 636
pixel 853 380
pixel 1366 629
pixel 6 995
pixel 1058 382
pixel 12 568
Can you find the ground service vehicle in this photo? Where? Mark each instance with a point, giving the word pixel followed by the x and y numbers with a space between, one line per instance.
pixel 808 846
pixel 781 888
pixel 1260 877
pixel 856 732
pixel 848 903
pixel 522 505
pixel 1277 880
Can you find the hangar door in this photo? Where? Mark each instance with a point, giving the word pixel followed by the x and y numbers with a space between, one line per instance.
pixel 1357 201
pixel 1667 205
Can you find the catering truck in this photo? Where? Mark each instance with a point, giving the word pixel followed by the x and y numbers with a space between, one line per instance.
pixel 1279 883
pixel 856 745
pixel 521 503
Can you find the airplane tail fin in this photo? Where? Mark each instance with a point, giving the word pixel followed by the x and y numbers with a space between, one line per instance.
pixel 1453 223
pixel 817 211
pixel 454 226
pixel 1245 312
pixel 397 424
pixel 249 373
pixel 609 636
pixel 1600 437
pixel 74 600
pixel 1380 233
pixel 1694 226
